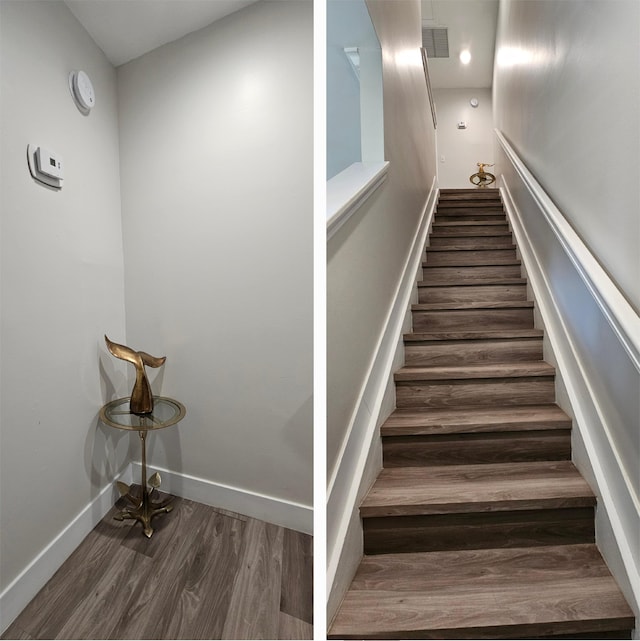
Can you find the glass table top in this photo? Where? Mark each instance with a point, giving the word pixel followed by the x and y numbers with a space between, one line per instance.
pixel 166 412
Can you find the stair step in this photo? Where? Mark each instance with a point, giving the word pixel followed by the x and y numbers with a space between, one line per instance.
pixel 470 224
pixel 456 489
pixel 462 256
pixel 472 352
pixel 464 293
pixel 469 191
pixel 457 217
pixel 464 372
pixel 472 335
pixel 432 317
pixel 472 275
pixel 434 422
pixel 475 449
pixel 476 229
pixel 483 594
pixel 471 240
pixel 470 259
pixel 517 383
pixel 478 530
pixel 461 203
pixel 508 304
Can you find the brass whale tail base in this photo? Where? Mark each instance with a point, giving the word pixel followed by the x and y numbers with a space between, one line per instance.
pixel 141 398
pixel 144 508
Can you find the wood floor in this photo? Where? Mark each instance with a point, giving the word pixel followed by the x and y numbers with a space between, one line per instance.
pixel 205 574
pixel 479 526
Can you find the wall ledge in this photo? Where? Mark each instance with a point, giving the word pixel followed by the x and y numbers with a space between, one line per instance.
pixel 615 307
pixel 350 189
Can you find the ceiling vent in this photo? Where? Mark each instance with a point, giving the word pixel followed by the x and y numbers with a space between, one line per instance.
pixel 436 42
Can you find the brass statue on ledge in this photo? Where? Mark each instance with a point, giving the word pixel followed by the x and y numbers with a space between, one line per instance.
pixel 482 178
pixel 141 398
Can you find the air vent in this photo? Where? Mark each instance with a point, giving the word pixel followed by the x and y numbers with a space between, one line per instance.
pixel 436 42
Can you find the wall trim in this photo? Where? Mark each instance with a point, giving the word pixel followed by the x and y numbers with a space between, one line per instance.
pixel 615 307
pixel 584 402
pixel 17 595
pixel 350 189
pixel 344 482
pixel 289 514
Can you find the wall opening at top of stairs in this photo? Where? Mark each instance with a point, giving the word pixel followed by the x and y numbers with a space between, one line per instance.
pixel 460 149
pixel 354 87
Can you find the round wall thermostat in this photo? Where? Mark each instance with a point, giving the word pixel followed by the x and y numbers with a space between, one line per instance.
pixel 82 91
pixel 474 102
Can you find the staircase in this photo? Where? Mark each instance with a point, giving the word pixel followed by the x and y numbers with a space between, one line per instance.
pixel 479 526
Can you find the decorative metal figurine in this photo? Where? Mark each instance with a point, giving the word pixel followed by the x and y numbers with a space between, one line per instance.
pixel 482 178
pixel 141 398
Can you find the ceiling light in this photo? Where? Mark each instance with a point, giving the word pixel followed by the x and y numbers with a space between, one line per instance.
pixel 465 57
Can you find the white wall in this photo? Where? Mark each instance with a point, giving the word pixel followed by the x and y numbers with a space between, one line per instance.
pixel 62 283
pixel 462 149
pixel 216 163
pixel 366 261
pixel 567 97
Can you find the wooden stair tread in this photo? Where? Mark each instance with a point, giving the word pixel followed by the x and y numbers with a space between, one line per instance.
pixel 415 422
pixel 473 335
pixel 490 370
pixel 467 223
pixel 455 234
pixel 476 488
pixel 466 283
pixel 498 261
pixel 488 567
pixel 482 594
pixel 507 304
pixel 468 248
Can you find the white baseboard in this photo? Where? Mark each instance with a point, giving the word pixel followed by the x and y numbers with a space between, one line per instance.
pixel 258 506
pixel 350 472
pixel 16 596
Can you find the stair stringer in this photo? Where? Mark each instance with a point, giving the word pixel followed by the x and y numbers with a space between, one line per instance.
pixel 360 458
pixel 594 452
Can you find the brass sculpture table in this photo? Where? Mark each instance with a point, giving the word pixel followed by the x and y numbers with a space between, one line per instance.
pixel 166 412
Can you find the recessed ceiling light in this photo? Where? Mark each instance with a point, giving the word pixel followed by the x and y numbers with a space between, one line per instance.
pixel 465 57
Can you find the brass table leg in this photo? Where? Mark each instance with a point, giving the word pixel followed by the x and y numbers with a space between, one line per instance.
pixel 145 509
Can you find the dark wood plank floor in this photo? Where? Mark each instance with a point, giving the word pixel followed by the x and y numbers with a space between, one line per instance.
pixel 206 573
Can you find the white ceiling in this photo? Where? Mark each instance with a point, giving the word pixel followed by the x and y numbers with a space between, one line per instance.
pixel 472 25
pixel 126 29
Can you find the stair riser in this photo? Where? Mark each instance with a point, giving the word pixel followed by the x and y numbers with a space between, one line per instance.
pixel 469 293
pixel 478 256
pixel 470 230
pixel 457 275
pixel 471 319
pixel 468 352
pixel 469 192
pixel 472 242
pixel 485 203
pixel 476 392
pixel 458 215
pixel 475 531
pixel 471 449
